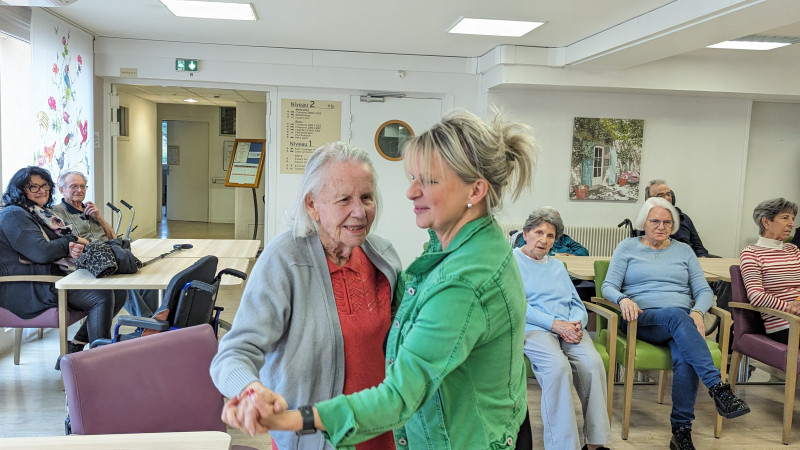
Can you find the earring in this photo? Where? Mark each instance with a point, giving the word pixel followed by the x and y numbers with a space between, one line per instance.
pixel 469 205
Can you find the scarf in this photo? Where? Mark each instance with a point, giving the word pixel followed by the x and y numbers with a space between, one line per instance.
pixel 49 219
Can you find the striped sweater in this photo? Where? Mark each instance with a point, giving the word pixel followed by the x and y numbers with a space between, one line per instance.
pixel 771 273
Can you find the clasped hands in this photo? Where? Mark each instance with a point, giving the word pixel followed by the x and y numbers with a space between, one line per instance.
pixel 570 332
pixel 257 410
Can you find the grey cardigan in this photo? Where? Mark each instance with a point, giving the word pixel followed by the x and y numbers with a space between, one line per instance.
pixel 286 332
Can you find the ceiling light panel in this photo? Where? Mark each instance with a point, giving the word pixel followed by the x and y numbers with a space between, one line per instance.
pixel 493 27
pixel 211 10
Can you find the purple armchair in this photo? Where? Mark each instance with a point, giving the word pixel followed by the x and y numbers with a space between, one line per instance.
pixel 57 317
pixel 153 384
pixel 749 339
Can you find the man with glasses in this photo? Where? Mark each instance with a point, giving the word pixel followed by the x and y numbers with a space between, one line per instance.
pixel 687 233
pixel 84 218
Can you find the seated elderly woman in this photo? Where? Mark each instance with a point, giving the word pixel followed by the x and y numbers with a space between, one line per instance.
pixel 658 281
pixel 33 240
pixel 770 268
pixel 560 350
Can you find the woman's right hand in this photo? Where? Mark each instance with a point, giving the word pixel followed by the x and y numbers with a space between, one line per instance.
pixel 75 249
pixel 630 310
pixel 571 332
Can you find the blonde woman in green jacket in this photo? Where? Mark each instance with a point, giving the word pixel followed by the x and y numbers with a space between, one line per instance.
pixel 455 376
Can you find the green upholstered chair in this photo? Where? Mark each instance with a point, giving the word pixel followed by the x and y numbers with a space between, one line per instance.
pixel 604 347
pixel 634 354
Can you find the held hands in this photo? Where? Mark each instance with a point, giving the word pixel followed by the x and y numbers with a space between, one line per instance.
pixel 630 310
pixel 253 408
pixel 570 332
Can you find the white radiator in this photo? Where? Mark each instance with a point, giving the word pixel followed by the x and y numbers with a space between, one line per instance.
pixel 600 241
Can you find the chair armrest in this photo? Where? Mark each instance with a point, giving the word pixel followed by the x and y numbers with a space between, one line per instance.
pixel 608 304
pixel 791 318
pixel 613 325
pixel 143 322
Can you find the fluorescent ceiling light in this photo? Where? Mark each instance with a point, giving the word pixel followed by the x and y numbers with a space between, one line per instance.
pixel 749 45
pixel 191 100
pixel 492 27
pixel 211 10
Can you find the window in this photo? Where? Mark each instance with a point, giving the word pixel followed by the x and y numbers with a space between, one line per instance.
pixel 122 118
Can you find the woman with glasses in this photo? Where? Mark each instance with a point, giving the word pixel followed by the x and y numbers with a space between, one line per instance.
pixel 35 241
pixel 658 282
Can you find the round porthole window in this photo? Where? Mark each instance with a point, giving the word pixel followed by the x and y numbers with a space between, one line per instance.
pixel 390 137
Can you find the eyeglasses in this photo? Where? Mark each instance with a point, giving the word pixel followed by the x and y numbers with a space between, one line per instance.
pixel 664 195
pixel 34 188
pixel 77 187
pixel 657 223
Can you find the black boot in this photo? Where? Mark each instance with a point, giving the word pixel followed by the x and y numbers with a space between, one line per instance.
pixel 681 438
pixel 71 348
pixel 728 404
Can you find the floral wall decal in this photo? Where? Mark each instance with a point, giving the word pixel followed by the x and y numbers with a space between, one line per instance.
pixel 63 99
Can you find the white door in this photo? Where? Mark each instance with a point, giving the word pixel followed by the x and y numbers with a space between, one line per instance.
pixel 187 181
pixel 396 221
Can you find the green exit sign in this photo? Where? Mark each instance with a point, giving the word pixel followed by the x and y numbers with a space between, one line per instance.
pixel 186 65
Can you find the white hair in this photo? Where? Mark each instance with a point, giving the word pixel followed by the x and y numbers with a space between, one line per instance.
pixel 651 203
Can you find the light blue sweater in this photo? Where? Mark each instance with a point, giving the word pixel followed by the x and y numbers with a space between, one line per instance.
pixel 549 291
pixel 670 277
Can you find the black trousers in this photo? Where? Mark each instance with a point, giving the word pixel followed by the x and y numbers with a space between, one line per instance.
pixel 525 435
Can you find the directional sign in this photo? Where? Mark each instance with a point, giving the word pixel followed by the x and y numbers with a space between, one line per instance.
pixel 186 65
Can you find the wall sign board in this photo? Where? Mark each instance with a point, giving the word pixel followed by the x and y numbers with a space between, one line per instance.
pixel 305 126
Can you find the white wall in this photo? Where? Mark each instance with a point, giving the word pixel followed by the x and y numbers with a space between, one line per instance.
pixel 251 123
pixel 697 144
pixel 773 161
pixel 137 159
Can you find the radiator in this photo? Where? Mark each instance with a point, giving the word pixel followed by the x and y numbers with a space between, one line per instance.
pixel 600 241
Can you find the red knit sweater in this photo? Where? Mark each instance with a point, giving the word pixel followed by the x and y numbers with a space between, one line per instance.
pixel 772 279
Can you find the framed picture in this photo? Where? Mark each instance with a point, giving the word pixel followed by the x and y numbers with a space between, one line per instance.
pixel 246 163
pixel 227 150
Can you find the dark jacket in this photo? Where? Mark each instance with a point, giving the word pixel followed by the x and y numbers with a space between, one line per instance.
pixel 687 234
pixel 25 251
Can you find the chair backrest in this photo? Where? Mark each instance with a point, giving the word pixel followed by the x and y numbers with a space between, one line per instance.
pixel 600 271
pixel 153 384
pixel 204 270
pixel 744 321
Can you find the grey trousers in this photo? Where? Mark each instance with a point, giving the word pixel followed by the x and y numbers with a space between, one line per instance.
pixel 558 366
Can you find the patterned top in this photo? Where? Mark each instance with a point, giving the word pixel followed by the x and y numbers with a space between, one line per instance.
pixel 364 301
pixel 771 274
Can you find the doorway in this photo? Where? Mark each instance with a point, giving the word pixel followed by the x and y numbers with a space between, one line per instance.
pixel 186 173
pixel 397 220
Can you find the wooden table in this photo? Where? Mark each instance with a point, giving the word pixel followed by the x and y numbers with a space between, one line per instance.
pixel 146 249
pixel 189 440
pixel 154 276
pixel 582 267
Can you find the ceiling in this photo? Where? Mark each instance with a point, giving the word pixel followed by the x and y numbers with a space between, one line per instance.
pixel 621 33
pixel 204 96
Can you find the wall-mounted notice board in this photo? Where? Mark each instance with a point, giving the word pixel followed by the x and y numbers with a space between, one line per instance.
pixel 247 162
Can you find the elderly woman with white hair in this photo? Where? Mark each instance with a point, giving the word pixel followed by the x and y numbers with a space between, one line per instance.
pixel 658 282
pixel 318 303
pixel 771 268
pixel 560 350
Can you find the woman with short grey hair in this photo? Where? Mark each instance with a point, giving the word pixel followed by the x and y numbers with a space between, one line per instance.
pixel 560 350
pixel 318 304
pixel 771 267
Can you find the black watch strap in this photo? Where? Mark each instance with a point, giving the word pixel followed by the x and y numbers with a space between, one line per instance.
pixel 308 420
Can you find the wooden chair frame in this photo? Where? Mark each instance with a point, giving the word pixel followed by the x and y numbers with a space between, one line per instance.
pixel 62 312
pixel 724 330
pixel 791 362
pixel 611 349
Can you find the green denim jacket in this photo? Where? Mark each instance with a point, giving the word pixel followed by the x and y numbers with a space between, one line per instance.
pixel 455 376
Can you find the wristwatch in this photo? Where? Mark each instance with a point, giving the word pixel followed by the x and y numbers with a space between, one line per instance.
pixel 308 420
